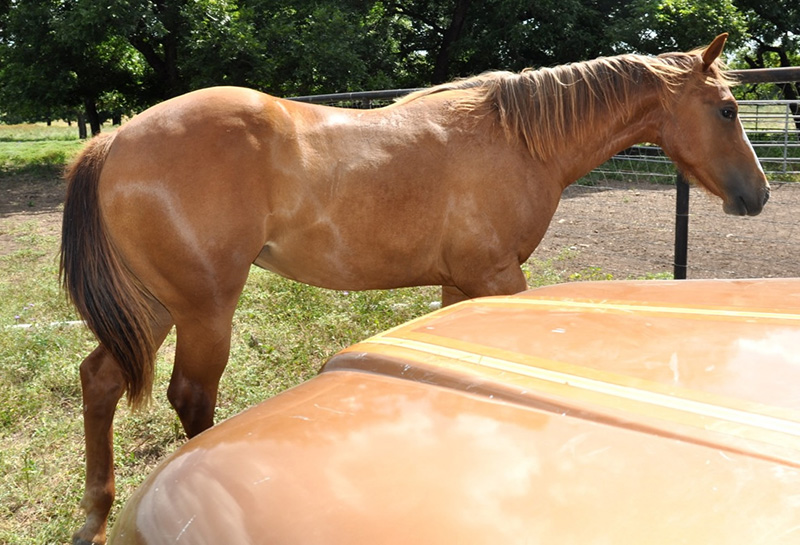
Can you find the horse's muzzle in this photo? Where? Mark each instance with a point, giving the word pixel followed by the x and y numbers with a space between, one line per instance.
pixel 747 205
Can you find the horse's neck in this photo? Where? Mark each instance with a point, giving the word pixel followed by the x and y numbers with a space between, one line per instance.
pixel 613 132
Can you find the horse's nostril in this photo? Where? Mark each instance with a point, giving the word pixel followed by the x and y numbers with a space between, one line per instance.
pixel 766 196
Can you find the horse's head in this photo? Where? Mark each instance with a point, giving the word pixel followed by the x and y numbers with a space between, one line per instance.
pixel 705 138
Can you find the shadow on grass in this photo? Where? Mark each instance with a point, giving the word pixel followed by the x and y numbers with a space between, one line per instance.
pixel 32 189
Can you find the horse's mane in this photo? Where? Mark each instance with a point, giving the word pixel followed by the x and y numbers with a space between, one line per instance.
pixel 549 104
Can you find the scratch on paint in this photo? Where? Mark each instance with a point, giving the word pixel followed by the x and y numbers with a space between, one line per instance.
pixel 673 366
pixel 335 411
pixel 186 527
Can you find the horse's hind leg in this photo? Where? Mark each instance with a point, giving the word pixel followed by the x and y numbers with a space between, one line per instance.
pixel 200 358
pixel 102 385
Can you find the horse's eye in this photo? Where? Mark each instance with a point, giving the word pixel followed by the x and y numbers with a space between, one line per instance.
pixel 728 112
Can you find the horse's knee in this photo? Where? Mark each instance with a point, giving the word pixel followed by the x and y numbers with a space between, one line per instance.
pixel 194 403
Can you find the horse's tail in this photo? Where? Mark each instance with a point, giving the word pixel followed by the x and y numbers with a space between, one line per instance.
pixel 104 291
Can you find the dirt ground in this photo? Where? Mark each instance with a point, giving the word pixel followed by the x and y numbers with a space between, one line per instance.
pixel 25 199
pixel 621 230
pixel 629 230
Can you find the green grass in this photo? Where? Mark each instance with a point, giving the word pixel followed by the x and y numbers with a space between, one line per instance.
pixel 36 149
pixel 40 423
pixel 38 132
pixel 282 333
pixel 35 158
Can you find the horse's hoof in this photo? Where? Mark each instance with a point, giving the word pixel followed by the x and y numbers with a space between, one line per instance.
pixel 77 540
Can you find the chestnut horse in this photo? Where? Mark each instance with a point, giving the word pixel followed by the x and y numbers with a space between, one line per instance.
pixel 452 186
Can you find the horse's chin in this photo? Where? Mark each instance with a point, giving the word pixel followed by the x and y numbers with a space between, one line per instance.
pixel 739 207
pixel 735 207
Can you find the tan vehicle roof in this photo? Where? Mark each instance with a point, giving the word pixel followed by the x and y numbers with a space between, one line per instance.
pixel 585 413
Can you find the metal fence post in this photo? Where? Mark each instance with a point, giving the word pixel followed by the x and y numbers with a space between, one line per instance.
pixel 681 227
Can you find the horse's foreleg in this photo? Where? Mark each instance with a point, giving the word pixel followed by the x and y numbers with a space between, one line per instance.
pixel 452 295
pixel 200 358
pixel 102 384
pixel 506 281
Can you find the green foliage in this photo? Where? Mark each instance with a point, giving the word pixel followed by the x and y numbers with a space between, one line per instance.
pixel 59 57
pixel 657 26
pixel 521 34
pixel 774 42
pixel 773 23
pixel 318 47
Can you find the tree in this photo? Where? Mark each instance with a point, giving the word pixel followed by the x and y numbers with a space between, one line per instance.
pixel 448 39
pixel 183 44
pixel 89 55
pixel 775 42
pixel 430 32
pixel 118 57
pixel 108 58
pixel 657 26
pixel 515 34
pixel 317 46
pixel 53 60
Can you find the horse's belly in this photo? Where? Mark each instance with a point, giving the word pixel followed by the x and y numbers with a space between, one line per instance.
pixel 342 270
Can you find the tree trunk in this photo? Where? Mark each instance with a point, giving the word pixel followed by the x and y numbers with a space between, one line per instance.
pixel 441 68
pixel 81 126
pixel 93 116
pixel 161 53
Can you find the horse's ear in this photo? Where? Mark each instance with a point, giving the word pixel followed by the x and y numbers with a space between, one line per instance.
pixel 714 50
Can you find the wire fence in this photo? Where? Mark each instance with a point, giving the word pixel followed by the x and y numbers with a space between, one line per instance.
pixel 619 220
pixel 640 240
pixel 770 124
